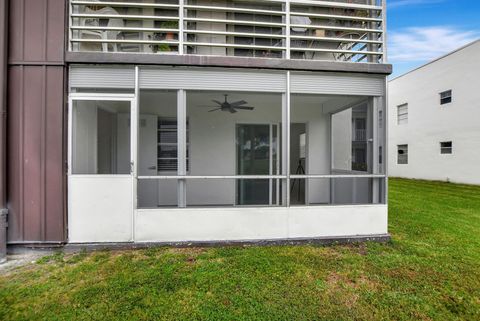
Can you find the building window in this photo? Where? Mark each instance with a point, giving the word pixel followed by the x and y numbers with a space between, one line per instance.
pixel 402 114
pixel 167 145
pixel 446 148
pixel 445 97
pixel 402 154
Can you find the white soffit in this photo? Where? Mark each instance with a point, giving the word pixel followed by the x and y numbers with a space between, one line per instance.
pixel 337 84
pixel 227 79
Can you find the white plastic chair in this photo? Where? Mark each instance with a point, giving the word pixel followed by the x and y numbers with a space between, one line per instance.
pixel 102 34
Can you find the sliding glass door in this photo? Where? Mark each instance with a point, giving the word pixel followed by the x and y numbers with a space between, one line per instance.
pixel 256 147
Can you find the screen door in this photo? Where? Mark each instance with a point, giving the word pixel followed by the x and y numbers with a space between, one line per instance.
pixel 101 164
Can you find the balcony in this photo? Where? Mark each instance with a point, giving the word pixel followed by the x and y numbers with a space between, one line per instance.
pixel 340 30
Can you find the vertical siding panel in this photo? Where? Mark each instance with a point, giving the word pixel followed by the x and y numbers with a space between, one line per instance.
pixel 35 30
pixel 43 120
pixel 15 30
pixel 56 30
pixel 14 165
pixel 32 153
pixel 3 105
pixel 54 162
pixel 45 32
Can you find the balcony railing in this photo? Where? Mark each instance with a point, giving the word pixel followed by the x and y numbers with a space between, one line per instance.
pixel 335 30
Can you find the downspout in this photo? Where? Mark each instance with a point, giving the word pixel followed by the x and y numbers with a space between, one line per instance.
pixel 3 128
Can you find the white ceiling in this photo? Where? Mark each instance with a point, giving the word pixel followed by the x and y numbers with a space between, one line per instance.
pixel 152 100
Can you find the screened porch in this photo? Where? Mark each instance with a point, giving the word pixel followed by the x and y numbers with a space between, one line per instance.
pixel 149 147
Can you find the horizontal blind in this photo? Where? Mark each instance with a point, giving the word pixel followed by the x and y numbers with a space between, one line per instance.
pixel 195 79
pixel 337 84
pixel 102 77
pixel 228 79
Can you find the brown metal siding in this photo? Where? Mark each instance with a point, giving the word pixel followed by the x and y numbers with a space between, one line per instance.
pixel 37 31
pixel 3 128
pixel 36 113
pixel 3 105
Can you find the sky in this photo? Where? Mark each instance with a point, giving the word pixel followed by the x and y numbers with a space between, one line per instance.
pixel 421 30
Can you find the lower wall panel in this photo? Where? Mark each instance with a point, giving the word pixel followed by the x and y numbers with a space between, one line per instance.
pixel 100 208
pixel 176 225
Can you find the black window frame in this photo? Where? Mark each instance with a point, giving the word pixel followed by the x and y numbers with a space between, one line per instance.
pixel 402 152
pixel 446 97
pixel 445 149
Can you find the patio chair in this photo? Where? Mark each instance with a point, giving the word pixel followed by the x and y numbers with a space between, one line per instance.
pixel 102 34
pixel 300 31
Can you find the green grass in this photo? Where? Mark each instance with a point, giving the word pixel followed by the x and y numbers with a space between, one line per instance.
pixel 430 271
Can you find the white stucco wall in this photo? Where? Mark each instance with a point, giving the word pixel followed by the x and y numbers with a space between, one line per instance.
pixel 220 224
pixel 100 208
pixel 430 123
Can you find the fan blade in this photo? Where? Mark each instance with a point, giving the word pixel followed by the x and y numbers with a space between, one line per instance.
pixel 232 110
pixel 244 107
pixel 238 103
pixel 217 102
pixel 214 109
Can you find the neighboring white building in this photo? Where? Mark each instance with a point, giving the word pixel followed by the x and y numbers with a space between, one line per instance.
pixel 434 123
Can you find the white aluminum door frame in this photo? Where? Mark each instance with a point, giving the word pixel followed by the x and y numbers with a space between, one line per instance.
pixel 133 141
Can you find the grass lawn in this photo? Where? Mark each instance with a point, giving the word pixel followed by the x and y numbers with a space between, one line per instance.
pixel 430 271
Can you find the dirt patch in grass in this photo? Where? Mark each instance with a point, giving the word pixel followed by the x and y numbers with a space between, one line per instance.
pixel 187 250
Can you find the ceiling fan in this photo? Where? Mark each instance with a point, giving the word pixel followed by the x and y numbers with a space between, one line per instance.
pixel 231 107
